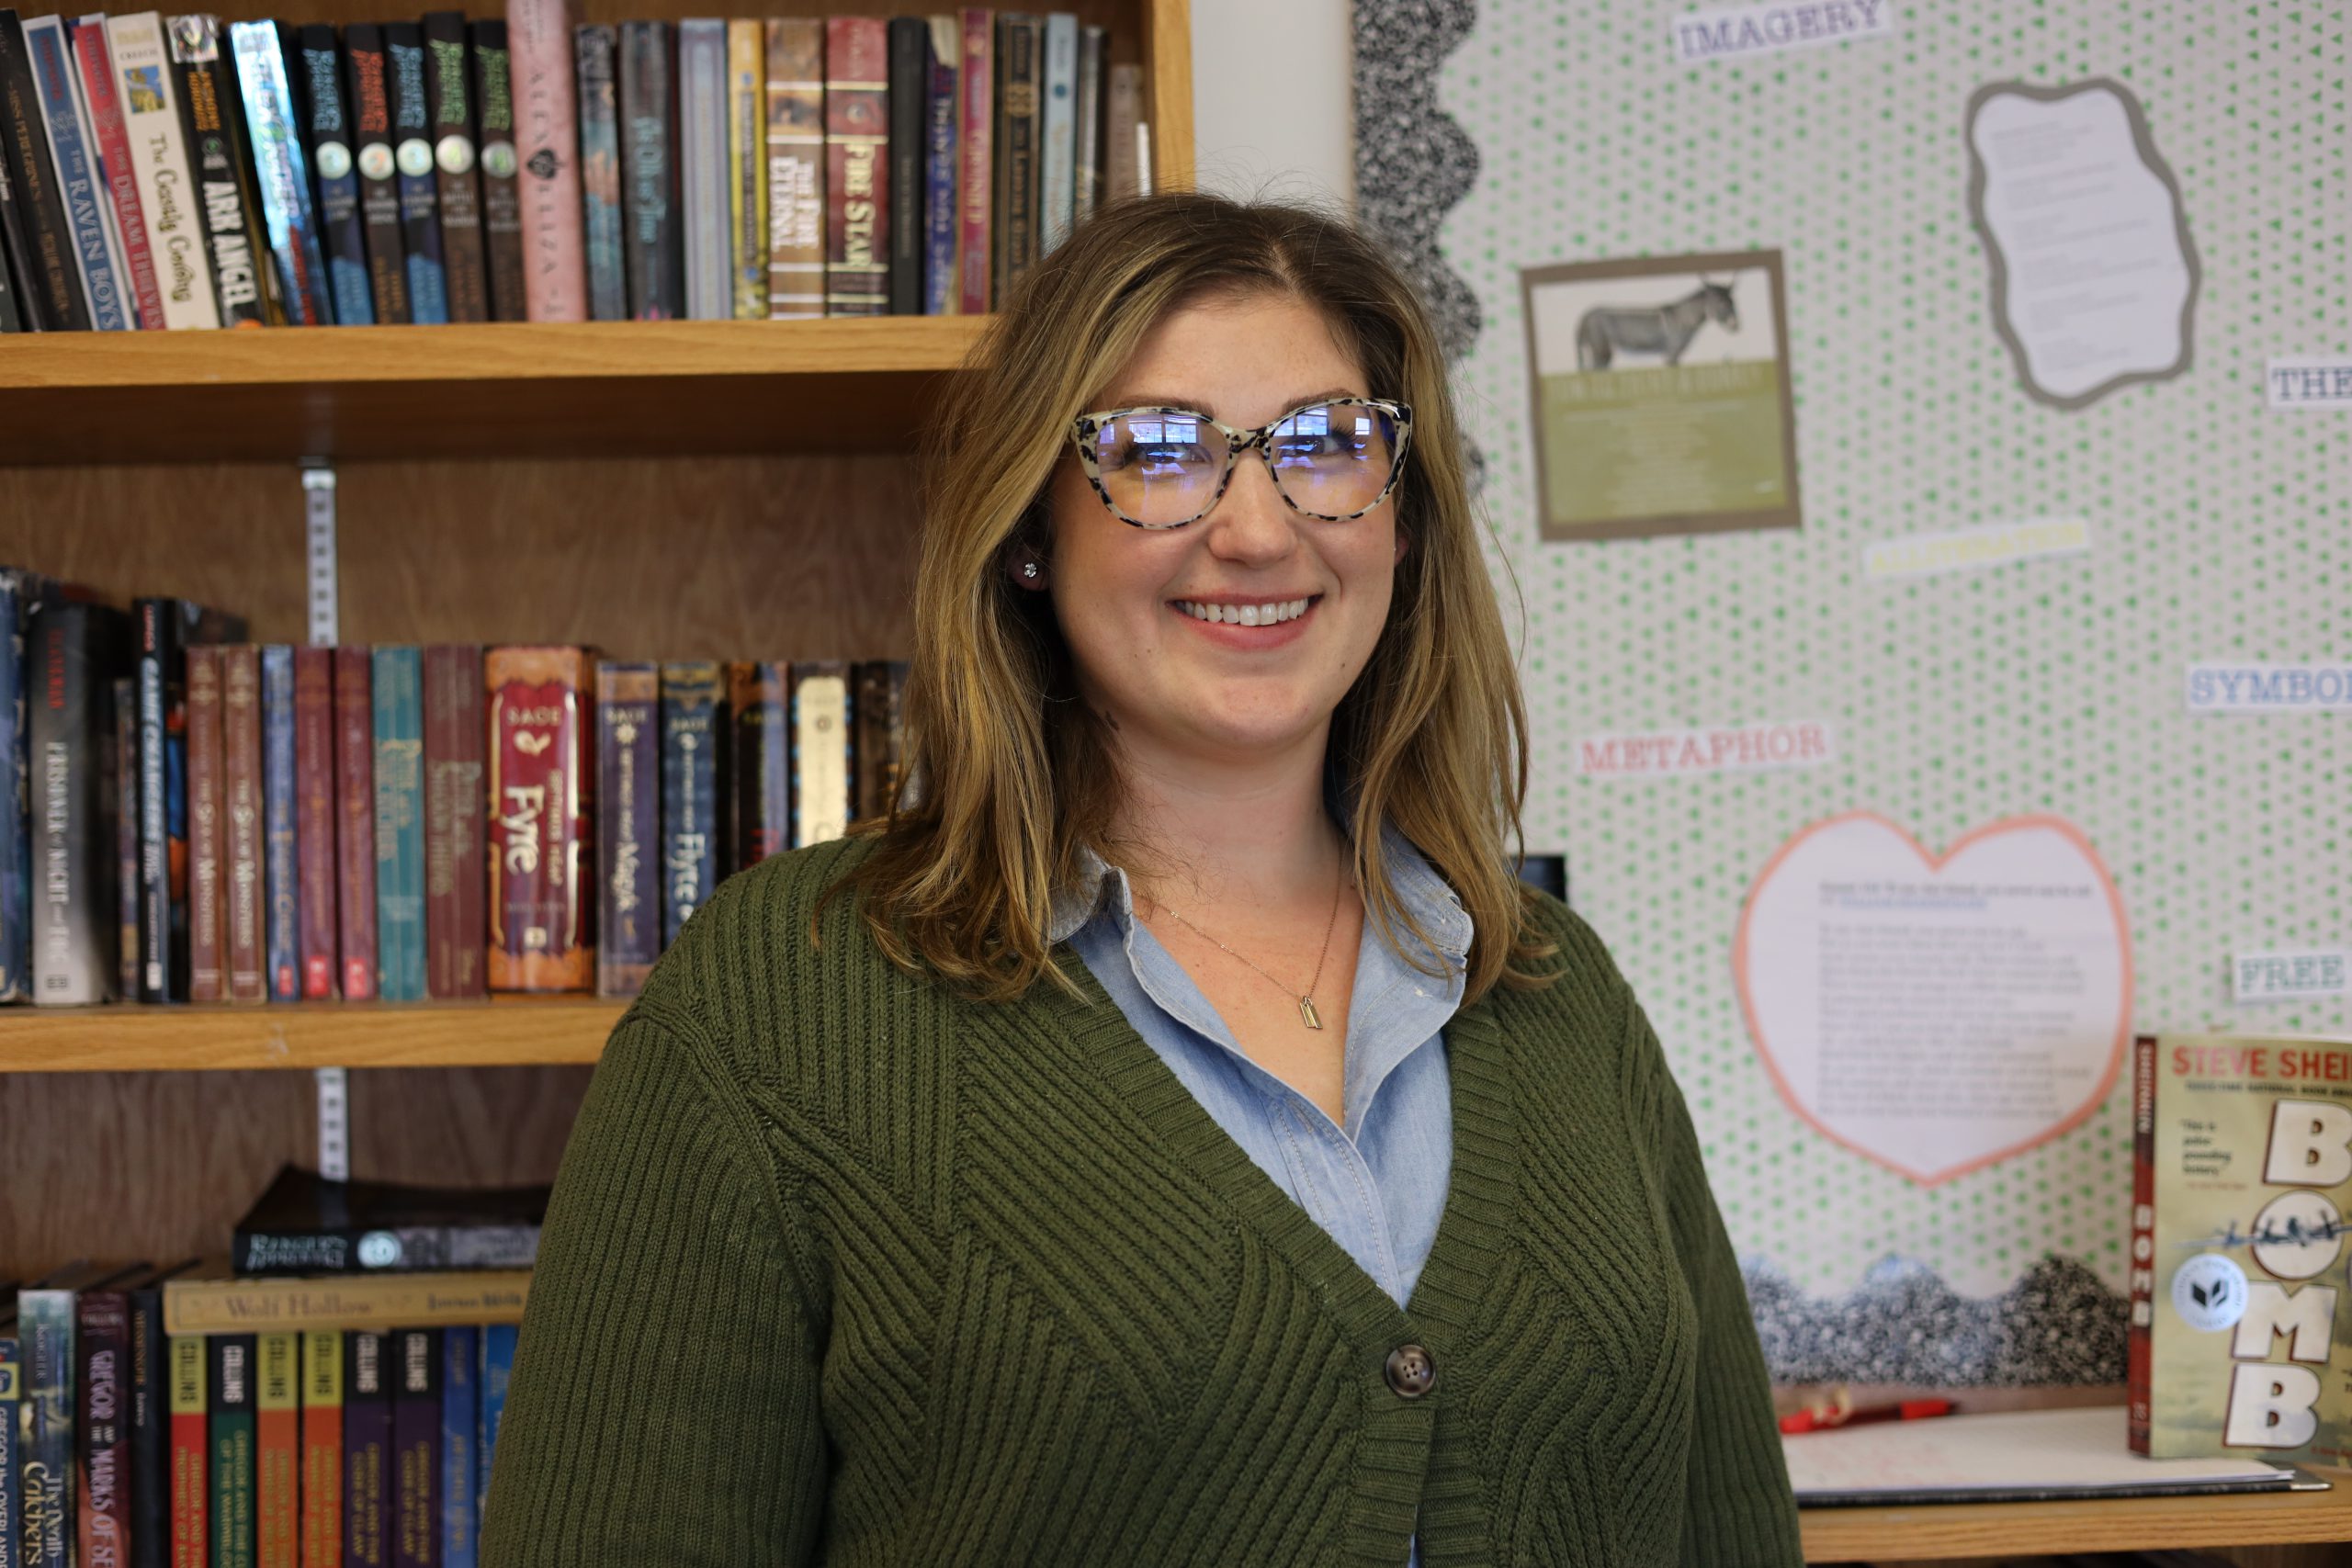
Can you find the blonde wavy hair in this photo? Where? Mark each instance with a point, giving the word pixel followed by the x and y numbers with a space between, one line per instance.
pixel 1011 779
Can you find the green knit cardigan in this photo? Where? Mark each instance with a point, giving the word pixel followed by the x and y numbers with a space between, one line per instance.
pixel 844 1267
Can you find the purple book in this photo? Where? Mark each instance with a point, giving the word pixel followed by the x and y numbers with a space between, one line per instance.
pixel 412 1530
pixel 366 1449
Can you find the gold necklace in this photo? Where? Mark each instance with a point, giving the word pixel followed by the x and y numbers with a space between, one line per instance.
pixel 1307 1013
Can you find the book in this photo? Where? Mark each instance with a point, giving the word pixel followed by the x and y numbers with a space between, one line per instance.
pixel 547 142
pixel 209 1301
pixel 243 908
pixel 878 704
pixel 907 51
pixel 653 240
pixel 377 169
pixel 281 175
pixel 857 166
pixel 542 912
pixel 1093 54
pixel 163 629
pixel 693 735
pixel 328 137
pixel 396 691
pixel 278 1450
pixel 12 1381
pixel 796 145
pixel 1018 40
pixel 148 1379
pixel 502 199
pixel 81 186
pixel 306 1223
pixel 2242 1188
pixel 629 763
pixel 943 58
pixel 600 175
pixel 497 1372
pixel 102 1425
pixel 355 811
pixel 101 91
pixel 126 834
pixel 702 169
pixel 1057 132
pixel 229 1446
pixel 45 261
pixel 321 1533
pixel 281 876
pixel 314 818
pixel 405 70
pixel 73 737
pixel 207 837
pixel 230 216
pixel 366 1449
pixel 457 186
pixel 49 1408
pixel 460 1410
pixel 170 200
pixel 454 732
pixel 747 168
pixel 1122 170
pixel 976 157
pixel 760 757
pixel 823 780
pixel 415 1524
pixel 190 1453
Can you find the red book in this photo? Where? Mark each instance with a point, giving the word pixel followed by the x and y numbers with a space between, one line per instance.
pixel 314 816
pixel 355 810
pixel 191 1488
pixel 542 900
pixel 546 140
pixel 454 732
pixel 976 148
pixel 95 62
pixel 240 823
pixel 857 166
pixel 208 962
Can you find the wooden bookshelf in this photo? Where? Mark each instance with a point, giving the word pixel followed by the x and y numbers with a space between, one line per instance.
pixel 502 1031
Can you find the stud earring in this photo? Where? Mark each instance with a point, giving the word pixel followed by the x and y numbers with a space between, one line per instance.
pixel 1029 571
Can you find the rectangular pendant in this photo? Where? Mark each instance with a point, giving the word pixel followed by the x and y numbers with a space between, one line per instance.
pixel 1307 1013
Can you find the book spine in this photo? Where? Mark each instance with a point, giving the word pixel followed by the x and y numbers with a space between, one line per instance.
pixel 1093 54
pixel 74 739
pixel 1057 132
pixel 17 593
pixel 46 267
pixel 314 819
pixel 163 736
pixel 1017 42
pixel 81 186
pixel 378 169
pixel 176 227
pixel 278 1451
pixel 454 157
pixel 629 756
pixel 692 735
pixel 354 791
pixel 381 1302
pixel 206 836
pixel 455 731
pixel 45 1432
pixel 975 199
pixel 600 173
pixel 857 166
pixel 191 1446
pixel 702 168
pixel 330 136
pixel 651 242
pixel 95 62
pixel 281 172
pixel 102 1348
pixel 12 1396
pixel 460 1353
pixel 416 1431
pixel 747 168
pixel 502 200
pixel 230 218
pixel 878 704
pixel 413 158
pixel 547 141
pixel 281 878
pixel 229 1431
pixel 322 1524
pixel 397 684
pixel 1122 112
pixel 497 1370
pixel 147 1381
pixel 823 777
pixel 12 241
pixel 366 1449
pixel 795 145
pixel 245 905
pixel 761 760
pixel 126 836
pixel 942 57
pixel 908 48
pixel 2139 1353
pixel 542 775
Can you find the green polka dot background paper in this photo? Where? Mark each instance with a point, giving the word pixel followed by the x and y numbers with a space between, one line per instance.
pixel 2220 530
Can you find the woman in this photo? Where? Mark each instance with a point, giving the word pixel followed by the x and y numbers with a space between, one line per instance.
pixel 1174 1136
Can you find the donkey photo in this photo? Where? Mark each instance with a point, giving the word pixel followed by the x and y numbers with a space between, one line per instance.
pixel 1606 330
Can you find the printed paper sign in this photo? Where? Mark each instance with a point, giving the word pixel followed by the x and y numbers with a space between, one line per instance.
pixel 2310 385
pixel 1740 749
pixel 1937 1013
pixel 1973 549
pixel 2269 688
pixel 2093 272
pixel 2284 976
pixel 1742 30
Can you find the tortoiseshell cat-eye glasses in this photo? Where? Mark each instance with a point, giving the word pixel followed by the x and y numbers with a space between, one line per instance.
pixel 1164 467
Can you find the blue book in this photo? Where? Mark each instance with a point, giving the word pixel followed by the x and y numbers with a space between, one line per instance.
pixel 398 690
pixel 72 144
pixel 428 279
pixel 939 215
pixel 693 729
pixel 21 593
pixel 281 173
pixel 629 825
pixel 460 1432
pixel 281 876
pixel 600 171
pixel 330 142
pixel 12 1388
pixel 497 1368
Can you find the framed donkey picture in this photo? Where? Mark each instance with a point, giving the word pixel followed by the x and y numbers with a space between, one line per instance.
pixel 1661 395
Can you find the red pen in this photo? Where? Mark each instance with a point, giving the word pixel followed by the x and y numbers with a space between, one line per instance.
pixel 1823 1418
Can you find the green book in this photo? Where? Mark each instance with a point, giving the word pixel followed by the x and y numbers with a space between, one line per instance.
pixel 229 1362
pixel 398 692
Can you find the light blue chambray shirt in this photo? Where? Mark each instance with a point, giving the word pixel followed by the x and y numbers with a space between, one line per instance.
pixel 1376 1183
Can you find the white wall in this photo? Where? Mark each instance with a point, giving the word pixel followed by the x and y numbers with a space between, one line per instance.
pixel 1273 107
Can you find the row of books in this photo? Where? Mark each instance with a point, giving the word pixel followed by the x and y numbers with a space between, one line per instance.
pixel 205 819
pixel 175 173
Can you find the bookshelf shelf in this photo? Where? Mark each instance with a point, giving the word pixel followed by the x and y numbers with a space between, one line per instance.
pixel 504 1032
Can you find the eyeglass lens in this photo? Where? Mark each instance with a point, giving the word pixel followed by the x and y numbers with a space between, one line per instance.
pixel 1164 468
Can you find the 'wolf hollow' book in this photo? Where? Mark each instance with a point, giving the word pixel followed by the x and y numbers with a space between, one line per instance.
pixel 2241 1337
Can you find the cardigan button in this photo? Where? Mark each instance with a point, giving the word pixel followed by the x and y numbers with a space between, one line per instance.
pixel 1411 1373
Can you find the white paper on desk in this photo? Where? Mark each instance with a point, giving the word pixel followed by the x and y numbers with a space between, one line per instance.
pixel 2085 1449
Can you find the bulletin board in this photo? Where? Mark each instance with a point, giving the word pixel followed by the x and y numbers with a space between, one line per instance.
pixel 1983 639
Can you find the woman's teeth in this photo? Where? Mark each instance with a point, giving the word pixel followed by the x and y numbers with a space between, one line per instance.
pixel 1246 614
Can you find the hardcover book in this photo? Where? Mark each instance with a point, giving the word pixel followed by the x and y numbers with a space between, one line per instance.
pixel 366 1449
pixel 909 49
pixel 308 1223
pixel 1123 171
pixel 940 222
pixel 693 734
pixel 126 833
pixel 546 140
pixel 823 780
pixel 747 166
pixel 329 138
pixel 879 705
pixel 229 1431
pixel 230 216
pixel 1057 132
pixel 415 160
pixel 795 145
pixel 542 910
pixel 1018 40
pixel 976 152
pixel 702 169
pixel 461 1371
pixel 102 1436
pixel 759 704
pixel 600 175
pixel 281 878
pixel 164 630
pixel 81 184
pixel 651 240
pixel 322 1526
pixel 857 166
pixel 281 172
pixel 355 810
pixel 45 263
pixel 74 926
pixel 209 1301
pixel 207 836
pixel 448 101
pixel 377 165
pixel 314 818
pixel 502 200
pixel 1093 54
pixel 397 691
pixel 95 62
pixel 454 731
pixel 243 904
pixel 628 753
pixel 278 1450
pixel 191 1446
pixel 167 194
pixel 416 1429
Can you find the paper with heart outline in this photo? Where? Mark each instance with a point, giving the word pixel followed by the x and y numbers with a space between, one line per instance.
pixel 1937 1013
